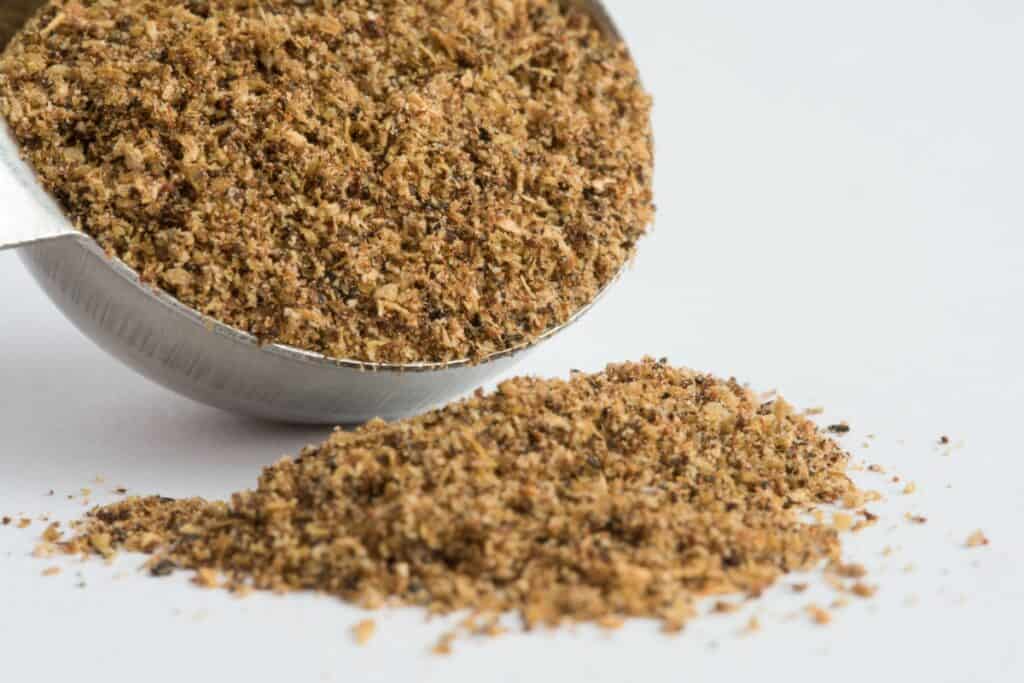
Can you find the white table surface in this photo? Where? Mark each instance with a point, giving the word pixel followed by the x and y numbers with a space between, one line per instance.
pixel 841 217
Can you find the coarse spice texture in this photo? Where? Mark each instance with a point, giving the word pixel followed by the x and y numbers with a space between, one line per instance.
pixel 627 493
pixel 390 181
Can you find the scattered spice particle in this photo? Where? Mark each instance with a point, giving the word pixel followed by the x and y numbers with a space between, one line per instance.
pixel 120 490
pixel 414 505
pixel 816 410
pixel 820 616
pixel 388 182
pixel 863 590
pixel 977 539
pixel 835 583
pixel 916 519
pixel 799 587
pixel 753 626
pixel 51 571
pixel 725 607
pixel 44 550
pixel 24 523
pixel 6 521
pixel 909 489
pixel 943 440
pixel 870 519
pixel 444 644
pixel 841 428
pixel 364 631
pixel 206 578
pixel 849 571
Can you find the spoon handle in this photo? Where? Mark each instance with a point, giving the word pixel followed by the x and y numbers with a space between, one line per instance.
pixel 27 213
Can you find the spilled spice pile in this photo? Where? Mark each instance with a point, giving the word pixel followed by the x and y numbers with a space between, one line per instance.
pixel 382 180
pixel 627 493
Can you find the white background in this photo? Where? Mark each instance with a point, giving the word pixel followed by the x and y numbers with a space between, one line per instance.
pixel 841 216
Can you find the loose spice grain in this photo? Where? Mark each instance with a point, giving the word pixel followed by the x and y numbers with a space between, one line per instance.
pixel 863 590
pixel 363 631
pixel 627 493
pixel 412 180
pixel 819 616
pixel 977 539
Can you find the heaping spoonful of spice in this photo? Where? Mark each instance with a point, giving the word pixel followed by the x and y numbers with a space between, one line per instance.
pixel 321 212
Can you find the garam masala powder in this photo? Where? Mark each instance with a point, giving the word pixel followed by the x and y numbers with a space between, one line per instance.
pixel 627 493
pixel 390 181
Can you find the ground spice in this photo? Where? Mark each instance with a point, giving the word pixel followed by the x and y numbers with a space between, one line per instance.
pixel 399 181
pixel 444 644
pixel 364 631
pixel 863 590
pixel 819 615
pixel 977 539
pixel 627 493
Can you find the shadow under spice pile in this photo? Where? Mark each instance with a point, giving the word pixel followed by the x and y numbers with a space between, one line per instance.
pixel 627 493
pixel 396 182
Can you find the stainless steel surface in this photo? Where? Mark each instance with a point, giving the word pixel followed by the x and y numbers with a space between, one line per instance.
pixel 196 356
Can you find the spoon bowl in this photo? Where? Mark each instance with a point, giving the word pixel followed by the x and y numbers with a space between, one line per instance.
pixel 195 355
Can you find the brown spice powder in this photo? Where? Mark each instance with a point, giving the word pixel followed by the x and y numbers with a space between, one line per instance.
pixel 627 493
pixel 364 631
pixel 398 181
pixel 819 615
pixel 977 539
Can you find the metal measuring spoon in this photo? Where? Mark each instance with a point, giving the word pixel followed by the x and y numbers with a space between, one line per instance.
pixel 195 355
